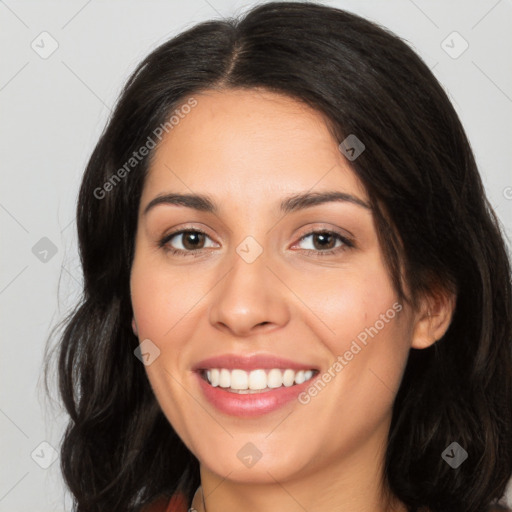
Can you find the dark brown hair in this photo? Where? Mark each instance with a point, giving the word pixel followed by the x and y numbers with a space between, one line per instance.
pixel 119 452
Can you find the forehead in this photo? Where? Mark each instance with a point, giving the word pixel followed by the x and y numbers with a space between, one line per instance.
pixel 253 145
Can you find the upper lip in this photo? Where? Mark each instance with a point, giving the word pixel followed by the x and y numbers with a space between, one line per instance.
pixel 250 362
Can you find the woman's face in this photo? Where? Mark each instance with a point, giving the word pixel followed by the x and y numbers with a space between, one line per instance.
pixel 258 283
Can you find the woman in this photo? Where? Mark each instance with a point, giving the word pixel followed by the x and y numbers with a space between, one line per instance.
pixel 296 294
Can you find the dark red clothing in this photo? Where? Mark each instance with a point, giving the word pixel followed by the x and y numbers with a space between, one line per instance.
pixel 177 503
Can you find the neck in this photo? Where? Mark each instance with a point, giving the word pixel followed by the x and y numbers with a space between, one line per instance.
pixel 353 482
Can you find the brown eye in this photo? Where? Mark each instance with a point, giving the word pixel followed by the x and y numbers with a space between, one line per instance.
pixel 185 241
pixel 323 242
pixel 193 240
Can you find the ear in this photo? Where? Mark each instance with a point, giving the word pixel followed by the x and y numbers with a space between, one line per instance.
pixel 433 318
pixel 134 327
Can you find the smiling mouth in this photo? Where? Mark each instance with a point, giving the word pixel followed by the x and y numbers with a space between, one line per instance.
pixel 256 381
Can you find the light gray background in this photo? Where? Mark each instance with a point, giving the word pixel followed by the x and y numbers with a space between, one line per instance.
pixel 52 113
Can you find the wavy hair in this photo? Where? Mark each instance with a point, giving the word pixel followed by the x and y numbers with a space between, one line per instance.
pixel 434 222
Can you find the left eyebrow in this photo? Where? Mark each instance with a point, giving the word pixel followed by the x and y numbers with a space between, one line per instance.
pixel 289 204
pixel 300 201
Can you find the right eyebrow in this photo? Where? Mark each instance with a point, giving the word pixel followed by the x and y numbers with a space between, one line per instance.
pixel 196 201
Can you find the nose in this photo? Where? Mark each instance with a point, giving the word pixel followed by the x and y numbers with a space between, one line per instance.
pixel 249 299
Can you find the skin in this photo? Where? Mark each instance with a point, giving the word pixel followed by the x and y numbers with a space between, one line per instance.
pixel 248 150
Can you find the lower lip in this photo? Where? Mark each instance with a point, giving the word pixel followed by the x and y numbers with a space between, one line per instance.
pixel 253 404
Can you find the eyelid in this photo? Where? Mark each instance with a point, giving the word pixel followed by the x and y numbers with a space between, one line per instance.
pixel 181 230
pixel 317 227
pixel 346 239
pixel 347 242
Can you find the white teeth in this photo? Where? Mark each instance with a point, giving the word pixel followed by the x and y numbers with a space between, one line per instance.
pixel 289 378
pixel 214 377
pixel 225 378
pixel 299 377
pixel 257 379
pixel 274 378
pixel 240 380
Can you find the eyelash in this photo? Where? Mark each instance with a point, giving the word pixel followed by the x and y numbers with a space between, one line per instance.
pixel 347 243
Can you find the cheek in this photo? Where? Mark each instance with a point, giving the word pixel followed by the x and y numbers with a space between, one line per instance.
pixel 347 304
pixel 161 298
pixel 362 327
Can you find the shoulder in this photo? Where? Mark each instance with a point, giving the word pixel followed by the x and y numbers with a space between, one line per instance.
pixel 177 503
